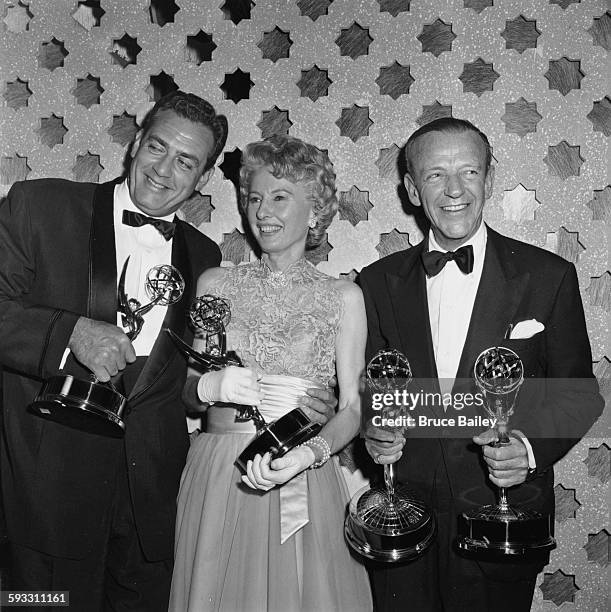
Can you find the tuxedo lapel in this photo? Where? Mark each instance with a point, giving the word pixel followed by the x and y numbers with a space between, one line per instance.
pixel 102 299
pixel 500 291
pixel 407 291
pixel 163 349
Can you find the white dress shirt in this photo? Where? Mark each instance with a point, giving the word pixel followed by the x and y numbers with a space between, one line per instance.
pixel 451 295
pixel 146 248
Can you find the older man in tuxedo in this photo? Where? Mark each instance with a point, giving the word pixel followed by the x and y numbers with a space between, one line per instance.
pixel 441 303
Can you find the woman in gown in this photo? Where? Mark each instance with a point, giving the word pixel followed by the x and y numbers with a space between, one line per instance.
pixel 241 541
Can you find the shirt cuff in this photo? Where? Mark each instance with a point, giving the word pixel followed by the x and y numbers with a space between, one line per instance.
pixel 532 464
pixel 62 363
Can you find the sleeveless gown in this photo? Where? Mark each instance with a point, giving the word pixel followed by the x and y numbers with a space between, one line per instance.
pixel 228 551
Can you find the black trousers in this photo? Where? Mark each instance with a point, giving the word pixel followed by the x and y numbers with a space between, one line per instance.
pixel 116 576
pixel 442 579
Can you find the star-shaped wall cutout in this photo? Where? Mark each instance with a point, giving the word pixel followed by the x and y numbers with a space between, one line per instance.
pixel 387 163
pixel 162 11
pixel 314 8
pixel 598 548
pixel 87 168
pixel 160 85
pixel 199 48
pixel 564 74
pixel 123 129
pixel 354 205
pixel 394 80
pixel 314 83
pixel 564 3
pixel 520 34
pixel 17 93
pixel 566 503
pixel 354 122
pixel 477 5
pixel 392 242
pixel 52 54
pixel 601 31
pixel 599 462
pixel 521 117
pixel 230 166
pixel 565 243
pixel 430 112
pixel 14 169
pixel 237 86
pixel 125 50
pixel 51 131
pixel 478 77
pixel 602 371
pixel 275 45
pixel 600 204
pixel 88 91
pixel 563 160
pixel 599 291
pixel 321 252
pixel 394 7
pixel 519 204
pixel 197 209
pixel 600 116
pixel 354 41
pixel 436 37
pixel 237 10
pixel 89 14
pixel 234 247
pixel 274 121
pixel 558 587
pixel 18 17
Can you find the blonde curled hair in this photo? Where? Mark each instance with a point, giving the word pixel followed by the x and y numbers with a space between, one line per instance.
pixel 293 159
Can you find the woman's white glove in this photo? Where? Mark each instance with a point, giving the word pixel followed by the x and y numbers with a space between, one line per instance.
pixel 231 384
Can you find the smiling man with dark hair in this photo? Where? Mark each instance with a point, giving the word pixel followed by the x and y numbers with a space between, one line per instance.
pixel 86 513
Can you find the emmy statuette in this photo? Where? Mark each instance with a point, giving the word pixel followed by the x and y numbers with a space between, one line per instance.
pixel 502 529
pixel 210 315
pixel 87 404
pixel 389 523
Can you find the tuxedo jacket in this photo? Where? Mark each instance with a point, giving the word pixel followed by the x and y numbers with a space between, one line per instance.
pixel 559 399
pixel 57 263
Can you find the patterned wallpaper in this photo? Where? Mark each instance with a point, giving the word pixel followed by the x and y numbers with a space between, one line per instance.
pixel 355 77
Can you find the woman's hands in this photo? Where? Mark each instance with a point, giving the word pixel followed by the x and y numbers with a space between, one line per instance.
pixel 231 384
pixel 264 473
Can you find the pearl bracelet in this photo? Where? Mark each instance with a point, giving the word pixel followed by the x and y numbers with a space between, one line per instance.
pixel 321 444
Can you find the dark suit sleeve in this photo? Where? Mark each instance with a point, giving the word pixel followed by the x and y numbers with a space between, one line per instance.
pixel 571 401
pixel 33 337
pixel 375 340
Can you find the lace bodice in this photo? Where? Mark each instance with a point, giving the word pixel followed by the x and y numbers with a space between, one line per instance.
pixel 282 322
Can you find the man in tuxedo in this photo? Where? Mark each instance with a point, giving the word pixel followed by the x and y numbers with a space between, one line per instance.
pixel 87 513
pixel 460 291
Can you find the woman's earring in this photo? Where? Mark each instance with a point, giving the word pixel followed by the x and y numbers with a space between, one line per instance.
pixel 312 222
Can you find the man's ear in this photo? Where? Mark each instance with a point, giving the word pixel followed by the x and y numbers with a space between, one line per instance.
pixel 489 182
pixel 204 178
pixel 412 192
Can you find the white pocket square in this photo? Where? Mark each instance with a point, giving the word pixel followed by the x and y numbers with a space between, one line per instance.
pixel 525 329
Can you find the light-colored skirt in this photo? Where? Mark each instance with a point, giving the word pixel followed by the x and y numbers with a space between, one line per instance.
pixel 228 555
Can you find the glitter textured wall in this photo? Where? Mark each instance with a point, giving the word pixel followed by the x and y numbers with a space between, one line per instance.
pixel 355 77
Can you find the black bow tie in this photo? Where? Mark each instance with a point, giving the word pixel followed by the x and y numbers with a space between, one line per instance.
pixel 165 228
pixel 434 261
